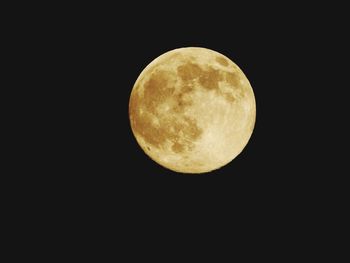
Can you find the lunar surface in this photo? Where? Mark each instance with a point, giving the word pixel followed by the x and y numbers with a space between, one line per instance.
pixel 192 110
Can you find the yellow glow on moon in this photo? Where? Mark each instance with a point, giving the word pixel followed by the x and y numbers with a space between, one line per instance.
pixel 192 110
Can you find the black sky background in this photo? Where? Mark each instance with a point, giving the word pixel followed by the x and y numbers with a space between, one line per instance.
pixel 83 181
pixel 100 52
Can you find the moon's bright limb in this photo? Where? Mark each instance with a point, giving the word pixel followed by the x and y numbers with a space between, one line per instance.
pixel 192 110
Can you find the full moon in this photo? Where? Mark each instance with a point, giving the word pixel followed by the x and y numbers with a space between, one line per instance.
pixel 192 110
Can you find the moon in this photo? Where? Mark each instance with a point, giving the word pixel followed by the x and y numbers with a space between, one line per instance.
pixel 192 110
